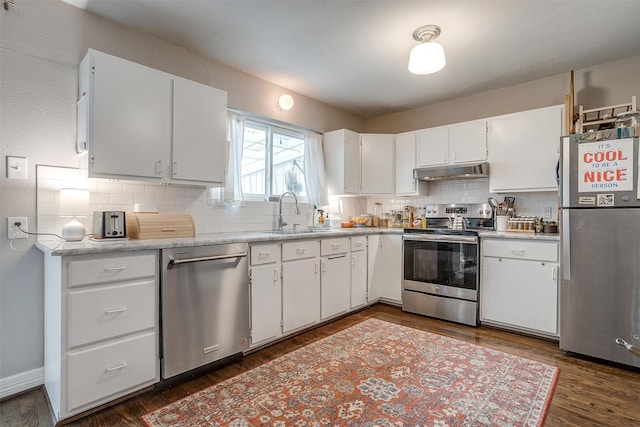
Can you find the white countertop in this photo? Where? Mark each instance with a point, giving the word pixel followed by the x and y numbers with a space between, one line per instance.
pixel 86 246
pixel 516 235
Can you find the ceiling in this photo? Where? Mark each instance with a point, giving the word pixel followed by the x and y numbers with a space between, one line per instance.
pixel 354 54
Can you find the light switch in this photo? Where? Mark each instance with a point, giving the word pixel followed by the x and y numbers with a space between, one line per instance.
pixel 16 167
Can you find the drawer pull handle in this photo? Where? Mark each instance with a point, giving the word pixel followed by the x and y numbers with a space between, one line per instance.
pixel 517 251
pixel 114 268
pixel 300 251
pixel 335 245
pixel 168 230
pixel 263 255
pixel 116 310
pixel 358 244
pixel 117 367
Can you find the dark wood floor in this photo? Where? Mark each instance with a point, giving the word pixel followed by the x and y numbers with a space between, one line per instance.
pixel 587 394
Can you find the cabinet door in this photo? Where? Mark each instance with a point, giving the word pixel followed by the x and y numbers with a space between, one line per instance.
pixel 468 141
pixel 373 252
pixel 405 163
pixel 358 278
pixel 432 146
pixel 300 293
pixel 131 119
pixel 377 164
pixel 385 267
pixel 352 171
pixel 199 148
pixel 524 150
pixel 266 303
pixel 342 161
pixel 334 285
pixel 520 293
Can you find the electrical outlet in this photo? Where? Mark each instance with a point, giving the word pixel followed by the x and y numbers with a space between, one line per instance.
pixel 12 230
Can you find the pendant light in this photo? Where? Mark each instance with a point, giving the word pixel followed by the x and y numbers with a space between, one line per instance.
pixel 428 56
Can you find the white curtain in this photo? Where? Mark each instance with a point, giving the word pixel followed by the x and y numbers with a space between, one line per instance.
pixel 314 170
pixel 231 193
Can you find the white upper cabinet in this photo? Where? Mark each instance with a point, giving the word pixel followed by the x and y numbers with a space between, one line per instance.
pixel 468 142
pixel 524 150
pixel 199 150
pixel 378 151
pixel 129 117
pixel 458 143
pixel 138 123
pixel 405 163
pixel 342 161
pixel 432 146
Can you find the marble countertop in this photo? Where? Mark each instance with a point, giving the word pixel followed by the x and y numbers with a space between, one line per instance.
pixel 515 235
pixel 86 246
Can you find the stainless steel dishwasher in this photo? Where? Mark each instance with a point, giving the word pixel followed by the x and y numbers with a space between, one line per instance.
pixel 204 305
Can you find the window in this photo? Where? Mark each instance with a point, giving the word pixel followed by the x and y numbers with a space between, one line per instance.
pixel 272 161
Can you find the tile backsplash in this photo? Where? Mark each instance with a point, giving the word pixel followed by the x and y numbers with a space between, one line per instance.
pixel 543 204
pixel 211 217
pixel 105 195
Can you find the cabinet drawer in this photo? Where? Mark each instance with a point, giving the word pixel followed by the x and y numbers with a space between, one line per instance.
pixel 111 369
pixel 521 249
pixel 300 249
pixel 97 314
pixel 334 246
pixel 358 243
pixel 110 269
pixel 265 254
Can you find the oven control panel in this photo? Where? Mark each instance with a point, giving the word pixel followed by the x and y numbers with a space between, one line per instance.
pixel 479 210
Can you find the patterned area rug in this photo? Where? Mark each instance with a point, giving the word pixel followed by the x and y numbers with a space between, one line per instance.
pixel 375 374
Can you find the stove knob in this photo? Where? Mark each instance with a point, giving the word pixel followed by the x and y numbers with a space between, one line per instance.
pixel 435 211
pixel 480 211
pixel 487 211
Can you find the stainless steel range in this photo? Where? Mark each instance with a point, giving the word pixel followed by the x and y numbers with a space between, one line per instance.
pixel 441 273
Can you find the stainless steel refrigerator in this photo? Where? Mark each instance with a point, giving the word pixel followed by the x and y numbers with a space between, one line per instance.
pixel 600 248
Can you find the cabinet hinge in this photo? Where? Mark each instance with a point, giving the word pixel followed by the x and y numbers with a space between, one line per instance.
pixel 281 274
pixel 93 159
pixel 93 69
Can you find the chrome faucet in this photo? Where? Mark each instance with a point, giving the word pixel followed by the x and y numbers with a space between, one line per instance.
pixel 281 223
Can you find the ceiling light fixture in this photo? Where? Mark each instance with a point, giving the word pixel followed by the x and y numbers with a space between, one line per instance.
pixel 285 102
pixel 428 56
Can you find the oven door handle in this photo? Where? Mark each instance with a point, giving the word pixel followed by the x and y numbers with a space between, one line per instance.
pixel 440 238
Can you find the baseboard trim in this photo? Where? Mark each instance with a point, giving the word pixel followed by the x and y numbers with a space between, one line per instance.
pixel 21 382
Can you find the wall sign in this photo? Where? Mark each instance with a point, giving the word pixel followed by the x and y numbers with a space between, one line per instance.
pixel 605 166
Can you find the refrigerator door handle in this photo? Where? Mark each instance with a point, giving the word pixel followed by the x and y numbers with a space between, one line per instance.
pixel 566 245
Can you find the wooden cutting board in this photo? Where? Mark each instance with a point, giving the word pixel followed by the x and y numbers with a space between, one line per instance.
pixel 159 225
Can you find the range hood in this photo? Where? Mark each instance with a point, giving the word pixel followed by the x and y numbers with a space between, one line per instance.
pixel 449 172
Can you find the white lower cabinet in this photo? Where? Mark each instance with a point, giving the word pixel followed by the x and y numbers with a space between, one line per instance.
pixel 101 328
pixel 266 293
pixel 358 271
pixel 335 283
pixel 385 268
pixel 300 284
pixel 519 286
